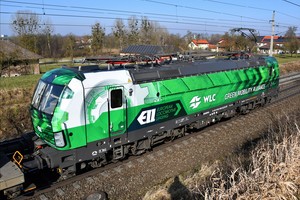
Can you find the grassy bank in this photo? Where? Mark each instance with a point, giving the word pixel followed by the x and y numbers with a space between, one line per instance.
pixel 15 118
pixel 285 58
pixel 25 81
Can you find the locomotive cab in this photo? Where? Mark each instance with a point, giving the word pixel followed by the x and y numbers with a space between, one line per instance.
pixel 71 108
pixel 43 104
pixel 52 96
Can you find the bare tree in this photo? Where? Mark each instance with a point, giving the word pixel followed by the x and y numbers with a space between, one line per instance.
pixel 158 34
pixel 292 44
pixel 228 42
pixel 119 32
pixel 48 30
pixel 189 37
pixel 133 30
pixel 241 43
pixel 176 42
pixel 26 25
pixel 69 45
pixel 25 22
pixel 215 38
pixel 146 29
pixel 98 34
pixel 45 40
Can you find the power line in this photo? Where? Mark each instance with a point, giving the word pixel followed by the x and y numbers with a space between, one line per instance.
pixel 256 8
pixel 190 28
pixel 113 18
pixel 157 15
pixel 121 12
pixel 295 4
pixel 239 5
pixel 76 7
pixel 288 15
pixel 193 8
pixel 201 9
pixel 173 19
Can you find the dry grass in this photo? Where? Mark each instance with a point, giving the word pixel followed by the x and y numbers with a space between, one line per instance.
pixel 272 172
pixel 13 96
pixel 268 168
pixel 14 118
pixel 289 67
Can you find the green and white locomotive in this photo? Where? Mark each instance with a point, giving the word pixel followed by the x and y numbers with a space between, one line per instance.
pixel 88 116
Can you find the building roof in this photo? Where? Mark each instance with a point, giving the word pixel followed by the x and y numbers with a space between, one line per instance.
pixel 275 37
pixel 149 50
pixel 8 49
pixel 267 39
pixel 201 41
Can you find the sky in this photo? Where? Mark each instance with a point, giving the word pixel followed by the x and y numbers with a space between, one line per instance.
pixel 177 16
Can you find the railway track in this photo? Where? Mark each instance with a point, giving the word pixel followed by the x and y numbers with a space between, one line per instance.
pixel 123 178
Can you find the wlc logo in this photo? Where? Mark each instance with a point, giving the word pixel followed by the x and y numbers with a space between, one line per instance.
pixel 195 102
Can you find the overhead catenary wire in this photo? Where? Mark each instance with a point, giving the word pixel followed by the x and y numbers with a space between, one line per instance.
pixel 135 12
pixel 88 25
pixel 225 3
pixel 295 4
pixel 238 5
pixel 180 17
pixel 157 15
pixel 165 18
pixel 201 9
pixel 67 8
pixel 113 18
pixel 256 8
pixel 120 12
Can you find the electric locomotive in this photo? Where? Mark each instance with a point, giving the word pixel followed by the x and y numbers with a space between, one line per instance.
pixel 88 116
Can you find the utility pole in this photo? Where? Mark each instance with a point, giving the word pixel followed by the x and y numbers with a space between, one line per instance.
pixel 272 36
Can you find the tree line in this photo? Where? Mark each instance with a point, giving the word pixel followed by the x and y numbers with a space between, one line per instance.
pixel 38 36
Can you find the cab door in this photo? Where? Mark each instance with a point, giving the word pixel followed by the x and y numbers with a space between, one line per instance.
pixel 117 110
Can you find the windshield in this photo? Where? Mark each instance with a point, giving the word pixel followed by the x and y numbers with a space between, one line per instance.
pixel 46 97
pixel 38 94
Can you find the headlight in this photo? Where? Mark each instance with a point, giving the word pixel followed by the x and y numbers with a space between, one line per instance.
pixel 59 139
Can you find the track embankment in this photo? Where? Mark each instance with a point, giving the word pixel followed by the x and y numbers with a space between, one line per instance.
pixel 131 179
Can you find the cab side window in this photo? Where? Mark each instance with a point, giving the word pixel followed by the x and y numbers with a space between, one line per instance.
pixel 116 98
